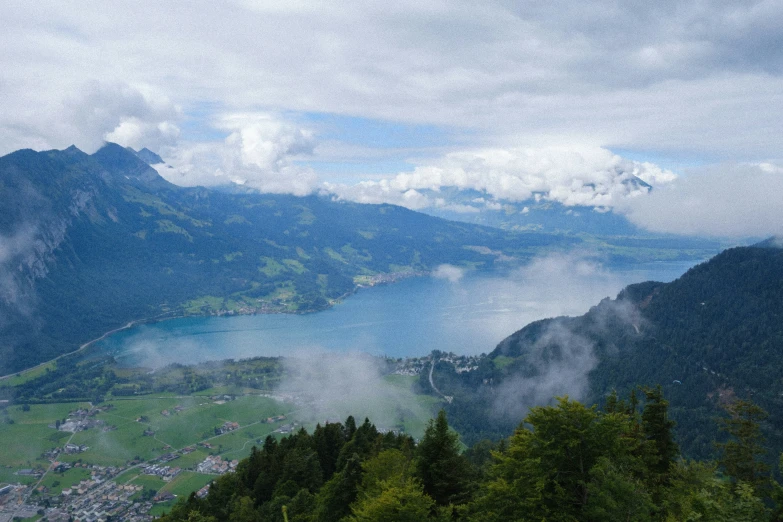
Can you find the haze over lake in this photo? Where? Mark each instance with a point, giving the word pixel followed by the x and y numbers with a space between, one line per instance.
pixel 461 313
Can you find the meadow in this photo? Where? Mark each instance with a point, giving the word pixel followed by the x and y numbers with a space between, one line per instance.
pixel 190 419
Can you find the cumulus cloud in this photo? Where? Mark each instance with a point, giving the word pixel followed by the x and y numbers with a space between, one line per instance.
pixel 449 272
pixel 259 152
pixel 650 76
pixel 132 116
pixel 586 176
pixel 676 80
pixel 723 200
pixel 377 192
pixel 459 208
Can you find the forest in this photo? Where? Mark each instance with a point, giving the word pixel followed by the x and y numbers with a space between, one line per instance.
pixel 564 462
pixel 708 337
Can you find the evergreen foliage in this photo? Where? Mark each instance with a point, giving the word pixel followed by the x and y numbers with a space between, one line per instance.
pixel 564 463
pixel 443 471
pixel 710 336
pixel 741 456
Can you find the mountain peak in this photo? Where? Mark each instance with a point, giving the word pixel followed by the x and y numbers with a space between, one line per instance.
pixel 149 157
pixel 146 155
pixel 126 163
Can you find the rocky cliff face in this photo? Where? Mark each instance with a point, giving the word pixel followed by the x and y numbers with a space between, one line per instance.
pixel 40 205
pixel 46 197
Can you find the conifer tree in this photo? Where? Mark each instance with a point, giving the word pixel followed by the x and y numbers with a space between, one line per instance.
pixel 658 430
pixel 336 496
pixel 443 471
pixel 742 455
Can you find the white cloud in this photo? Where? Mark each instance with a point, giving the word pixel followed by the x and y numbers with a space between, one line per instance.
pixel 589 176
pixel 338 385
pixel 16 251
pixel 258 152
pixel 692 79
pixel 377 192
pixel 132 116
pixel 724 200
pixel 555 375
pixel 657 76
pixel 449 272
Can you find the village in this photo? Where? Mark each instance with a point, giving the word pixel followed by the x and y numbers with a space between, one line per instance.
pixel 101 497
pixel 110 492
pixel 417 365
pixel 72 480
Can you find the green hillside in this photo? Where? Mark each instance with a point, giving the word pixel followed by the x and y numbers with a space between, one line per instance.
pixel 713 335
pixel 92 242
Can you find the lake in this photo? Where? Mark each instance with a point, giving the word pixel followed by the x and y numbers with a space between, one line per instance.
pixel 470 314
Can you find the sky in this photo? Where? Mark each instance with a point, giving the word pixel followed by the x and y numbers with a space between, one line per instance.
pixel 387 102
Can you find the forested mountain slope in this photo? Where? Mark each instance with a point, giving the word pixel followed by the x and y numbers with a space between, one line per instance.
pixel 90 242
pixel 713 334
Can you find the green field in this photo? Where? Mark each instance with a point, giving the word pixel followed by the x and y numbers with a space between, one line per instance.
pixel 162 508
pixel 420 409
pixel 145 427
pixel 30 435
pixel 148 482
pixel 195 422
pixel 27 375
pixel 186 482
pixel 57 482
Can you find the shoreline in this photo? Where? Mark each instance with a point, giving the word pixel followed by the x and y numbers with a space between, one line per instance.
pixel 376 280
pixel 88 344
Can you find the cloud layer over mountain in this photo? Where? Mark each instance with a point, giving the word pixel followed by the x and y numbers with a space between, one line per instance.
pixel 585 176
pixel 724 200
pixel 258 152
pixel 508 98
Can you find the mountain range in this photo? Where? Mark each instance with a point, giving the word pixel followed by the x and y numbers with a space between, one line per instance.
pixel 91 242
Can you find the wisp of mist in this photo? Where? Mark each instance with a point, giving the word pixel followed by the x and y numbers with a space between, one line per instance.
pixel 453 311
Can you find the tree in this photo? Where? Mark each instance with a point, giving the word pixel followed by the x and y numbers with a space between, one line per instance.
pixel 335 497
pixel 742 454
pixel 614 494
pixel 328 441
pixel 395 503
pixel 657 429
pixel 242 510
pixel 571 461
pixel 363 442
pixel 271 466
pixel 696 492
pixel 445 474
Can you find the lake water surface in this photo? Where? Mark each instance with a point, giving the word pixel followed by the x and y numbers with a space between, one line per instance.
pixel 470 315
